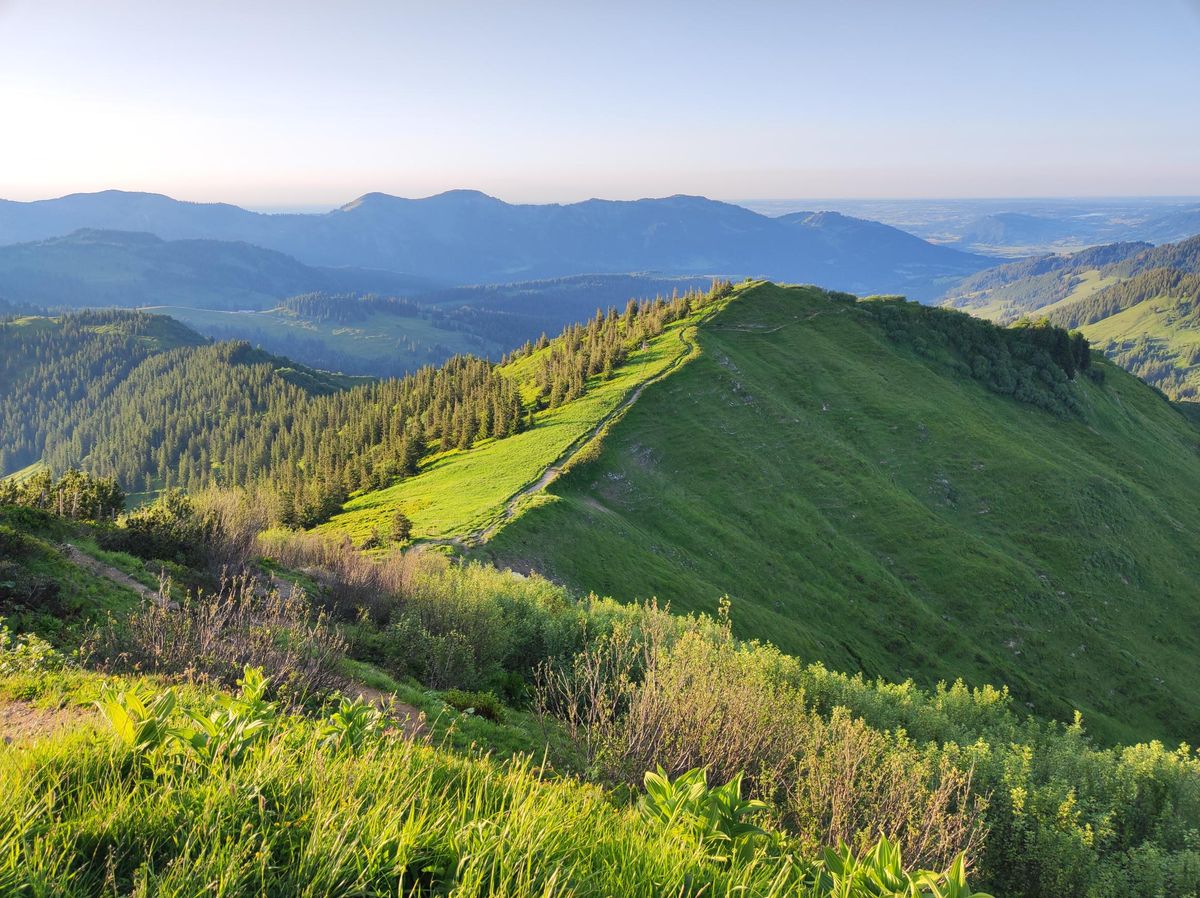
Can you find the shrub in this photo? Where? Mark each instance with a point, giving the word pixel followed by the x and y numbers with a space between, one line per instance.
pixel 701 700
pixel 215 636
pixel 27 653
pixel 483 704
pixel 168 529
pixel 23 590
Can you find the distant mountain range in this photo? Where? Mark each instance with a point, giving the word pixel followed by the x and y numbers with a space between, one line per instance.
pixel 466 237
pixel 90 268
pixel 1017 227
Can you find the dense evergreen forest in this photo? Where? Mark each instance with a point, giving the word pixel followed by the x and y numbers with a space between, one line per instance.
pixel 91 392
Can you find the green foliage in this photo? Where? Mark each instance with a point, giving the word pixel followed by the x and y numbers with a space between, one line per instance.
pixel 223 734
pixel 881 872
pixel 1030 362
pixel 140 720
pixel 719 815
pixel 169 529
pixel 216 737
pixel 300 815
pixel 485 704
pixel 75 495
pixel 27 654
pixel 352 724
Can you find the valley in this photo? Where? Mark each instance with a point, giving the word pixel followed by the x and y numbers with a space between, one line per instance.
pixel 558 450
pixel 1134 301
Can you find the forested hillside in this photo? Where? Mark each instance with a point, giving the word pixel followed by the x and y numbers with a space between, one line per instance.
pixel 52 368
pixel 1135 302
pixel 227 414
pixel 901 490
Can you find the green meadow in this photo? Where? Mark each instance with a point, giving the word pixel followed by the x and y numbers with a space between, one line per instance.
pixel 460 494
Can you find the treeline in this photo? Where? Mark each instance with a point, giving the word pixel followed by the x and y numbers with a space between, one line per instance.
pixel 1169 283
pixel 346 308
pixel 75 495
pixel 1184 255
pixel 1173 370
pixel 405 354
pixel 1051 264
pixel 1032 362
pixel 228 415
pixel 52 369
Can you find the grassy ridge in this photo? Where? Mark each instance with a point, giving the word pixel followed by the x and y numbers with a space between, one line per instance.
pixel 459 494
pixel 863 507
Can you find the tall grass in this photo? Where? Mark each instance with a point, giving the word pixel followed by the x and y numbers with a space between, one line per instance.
pixel 296 817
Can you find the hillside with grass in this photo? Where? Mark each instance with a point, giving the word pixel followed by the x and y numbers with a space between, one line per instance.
pixel 322 722
pixel 1136 303
pixel 868 496
pixel 460 497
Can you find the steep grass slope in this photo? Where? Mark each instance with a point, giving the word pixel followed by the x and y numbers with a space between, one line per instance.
pixel 461 496
pixel 864 505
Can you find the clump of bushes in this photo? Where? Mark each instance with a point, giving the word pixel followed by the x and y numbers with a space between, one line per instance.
pixel 483 704
pixel 1032 362
pixel 212 637
pixel 1033 805
pixel 169 529
pixel 699 699
pixel 27 653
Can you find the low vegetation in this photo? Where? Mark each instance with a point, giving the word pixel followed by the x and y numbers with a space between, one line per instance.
pixel 287 714
pixel 820 471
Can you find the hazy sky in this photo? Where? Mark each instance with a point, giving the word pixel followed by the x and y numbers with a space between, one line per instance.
pixel 313 103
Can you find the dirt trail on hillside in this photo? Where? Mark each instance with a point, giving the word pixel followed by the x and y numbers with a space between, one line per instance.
pixel 23 722
pixel 100 569
pixel 481 535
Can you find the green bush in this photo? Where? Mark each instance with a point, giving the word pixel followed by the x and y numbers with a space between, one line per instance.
pixel 27 654
pixel 483 704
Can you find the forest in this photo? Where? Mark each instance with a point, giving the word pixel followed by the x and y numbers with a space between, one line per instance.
pixel 226 414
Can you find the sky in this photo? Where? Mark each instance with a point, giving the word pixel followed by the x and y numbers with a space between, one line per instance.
pixel 309 104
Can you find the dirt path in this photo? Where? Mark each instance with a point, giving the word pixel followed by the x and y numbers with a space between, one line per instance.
pixel 23 722
pixel 100 569
pixel 481 535
pixel 407 718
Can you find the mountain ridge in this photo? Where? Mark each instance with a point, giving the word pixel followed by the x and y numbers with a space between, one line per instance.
pixel 468 237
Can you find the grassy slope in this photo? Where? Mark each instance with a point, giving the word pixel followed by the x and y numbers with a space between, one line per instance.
pixel 1013 301
pixel 1154 319
pixel 83 598
pixel 865 509
pixel 459 493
